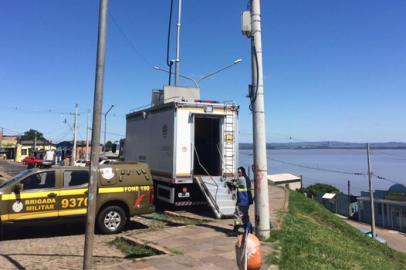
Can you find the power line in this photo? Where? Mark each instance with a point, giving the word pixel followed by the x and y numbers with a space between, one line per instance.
pixel 318 168
pixel 32 110
pixel 130 42
pixel 14 131
pixel 387 179
pixel 393 156
pixel 337 171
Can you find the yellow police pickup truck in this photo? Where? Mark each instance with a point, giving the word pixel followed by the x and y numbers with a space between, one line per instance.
pixel 59 193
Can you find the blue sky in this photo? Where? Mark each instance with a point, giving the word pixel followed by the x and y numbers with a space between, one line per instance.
pixel 334 70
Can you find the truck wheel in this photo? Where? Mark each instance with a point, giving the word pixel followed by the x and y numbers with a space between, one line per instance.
pixel 111 219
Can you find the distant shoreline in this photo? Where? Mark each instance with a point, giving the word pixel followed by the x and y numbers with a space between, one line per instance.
pixel 328 145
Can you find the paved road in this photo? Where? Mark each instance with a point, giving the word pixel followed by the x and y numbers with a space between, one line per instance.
pixel 205 246
pixel 11 168
pixel 395 239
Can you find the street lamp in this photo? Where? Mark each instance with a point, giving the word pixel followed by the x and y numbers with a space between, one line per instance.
pixel 105 126
pixel 196 82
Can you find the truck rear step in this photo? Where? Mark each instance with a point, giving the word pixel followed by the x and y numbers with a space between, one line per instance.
pixel 220 198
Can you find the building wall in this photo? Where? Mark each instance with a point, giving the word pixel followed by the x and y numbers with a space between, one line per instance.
pixel 340 204
pixel 387 215
pixel 295 185
pixel 23 151
pixel 291 185
pixel 7 147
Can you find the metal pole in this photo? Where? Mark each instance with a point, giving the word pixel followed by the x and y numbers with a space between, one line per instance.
pixel 262 220
pixel 87 136
pixel 105 133
pixel 75 127
pixel 97 111
pixel 371 192
pixel 105 127
pixel 35 141
pixel 349 199
pixel 177 60
pixel 219 70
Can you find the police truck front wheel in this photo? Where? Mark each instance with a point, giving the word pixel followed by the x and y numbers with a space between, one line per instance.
pixel 111 219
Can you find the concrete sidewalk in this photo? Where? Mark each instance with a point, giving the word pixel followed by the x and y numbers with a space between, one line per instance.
pixel 205 246
pixel 394 239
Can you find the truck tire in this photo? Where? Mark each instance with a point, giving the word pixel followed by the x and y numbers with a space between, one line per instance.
pixel 111 219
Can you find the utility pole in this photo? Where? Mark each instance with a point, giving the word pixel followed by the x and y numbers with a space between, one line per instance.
pixel 177 60
pixel 87 136
pixel 35 141
pixel 75 127
pixel 262 220
pixel 371 192
pixel 349 198
pixel 105 127
pixel 88 262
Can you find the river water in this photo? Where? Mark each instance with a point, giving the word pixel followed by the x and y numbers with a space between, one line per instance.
pixel 336 166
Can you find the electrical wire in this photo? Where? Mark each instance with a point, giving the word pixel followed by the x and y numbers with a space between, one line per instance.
pixel 394 156
pixel 387 179
pixel 318 168
pixel 10 130
pixel 379 177
pixel 51 111
pixel 253 94
pixel 130 42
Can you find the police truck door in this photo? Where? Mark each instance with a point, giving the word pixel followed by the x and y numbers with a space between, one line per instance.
pixel 74 192
pixel 37 197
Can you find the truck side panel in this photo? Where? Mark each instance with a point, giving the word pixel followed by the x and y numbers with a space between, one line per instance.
pixel 184 144
pixel 149 138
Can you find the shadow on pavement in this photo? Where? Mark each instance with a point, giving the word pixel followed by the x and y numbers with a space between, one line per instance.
pixel 221 229
pixel 16 264
pixel 19 232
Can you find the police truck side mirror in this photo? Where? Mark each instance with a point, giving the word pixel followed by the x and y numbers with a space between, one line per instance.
pixel 17 188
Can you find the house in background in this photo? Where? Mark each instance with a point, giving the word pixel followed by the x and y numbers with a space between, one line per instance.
pixel 26 148
pixel 289 180
pixel 64 150
pixel 8 146
pixel 339 203
pixel 390 207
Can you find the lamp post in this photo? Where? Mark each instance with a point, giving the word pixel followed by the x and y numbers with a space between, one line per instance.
pixel 197 82
pixel 105 126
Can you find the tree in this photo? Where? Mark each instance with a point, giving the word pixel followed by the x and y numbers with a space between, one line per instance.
pixel 108 146
pixel 312 190
pixel 30 135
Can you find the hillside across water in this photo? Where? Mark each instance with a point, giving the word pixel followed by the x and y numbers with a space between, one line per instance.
pixel 328 145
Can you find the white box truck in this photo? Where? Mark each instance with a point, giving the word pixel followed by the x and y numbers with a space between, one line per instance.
pixel 191 146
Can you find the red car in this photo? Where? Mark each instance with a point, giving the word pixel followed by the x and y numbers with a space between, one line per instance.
pixel 32 161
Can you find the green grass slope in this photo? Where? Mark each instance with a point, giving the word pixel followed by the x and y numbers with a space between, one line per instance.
pixel 313 238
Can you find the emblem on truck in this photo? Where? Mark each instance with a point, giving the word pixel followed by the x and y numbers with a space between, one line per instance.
pixel 107 173
pixel 17 206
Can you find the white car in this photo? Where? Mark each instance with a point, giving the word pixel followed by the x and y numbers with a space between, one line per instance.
pixel 80 163
pixel 107 161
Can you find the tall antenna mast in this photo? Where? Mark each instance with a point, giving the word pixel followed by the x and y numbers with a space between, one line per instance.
pixel 177 60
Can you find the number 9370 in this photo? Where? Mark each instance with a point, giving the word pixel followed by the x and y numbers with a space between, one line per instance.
pixel 74 203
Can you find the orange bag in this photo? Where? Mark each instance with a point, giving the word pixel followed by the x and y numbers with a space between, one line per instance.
pixel 254 257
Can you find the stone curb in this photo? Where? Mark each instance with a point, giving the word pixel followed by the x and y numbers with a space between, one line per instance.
pixel 182 215
pixel 150 245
